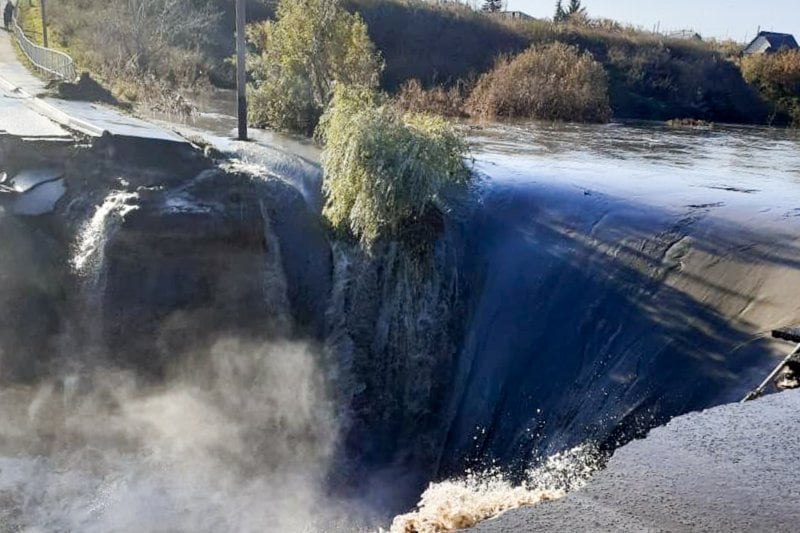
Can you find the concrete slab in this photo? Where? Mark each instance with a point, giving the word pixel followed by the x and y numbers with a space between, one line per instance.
pixel 113 122
pixel 15 72
pixel 17 118
pixel 41 199
pixel 31 177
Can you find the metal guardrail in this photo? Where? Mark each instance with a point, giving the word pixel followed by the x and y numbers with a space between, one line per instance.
pixel 49 61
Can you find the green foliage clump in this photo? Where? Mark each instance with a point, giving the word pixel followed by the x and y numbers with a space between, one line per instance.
pixel 312 45
pixel 551 82
pixel 777 78
pixel 385 169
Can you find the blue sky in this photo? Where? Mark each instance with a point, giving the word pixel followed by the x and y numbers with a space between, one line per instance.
pixel 712 18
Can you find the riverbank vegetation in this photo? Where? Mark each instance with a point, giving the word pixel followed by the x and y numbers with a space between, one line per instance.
pixel 144 50
pixel 549 82
pixel 777 77
pixel 299 58
pixel 385 169
pixel 439 100
pixel 650 76
pixel 315 69
pixel 433 52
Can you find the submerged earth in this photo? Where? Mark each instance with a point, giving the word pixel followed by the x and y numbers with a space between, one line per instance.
pixel 184 346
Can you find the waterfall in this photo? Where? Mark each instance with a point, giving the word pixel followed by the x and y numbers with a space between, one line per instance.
pixel 89 251
pixel 88 262
pixel 275 287
pixel 391 337
pixel 544 315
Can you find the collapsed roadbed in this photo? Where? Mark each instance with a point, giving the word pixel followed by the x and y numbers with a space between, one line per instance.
pixel 732 468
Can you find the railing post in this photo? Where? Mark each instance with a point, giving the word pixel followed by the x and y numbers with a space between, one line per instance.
pixel 44 24
pixel 49 61
pixel 241 75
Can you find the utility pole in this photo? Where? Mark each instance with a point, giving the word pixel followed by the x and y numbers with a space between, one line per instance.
pixel 44 25
pixel 241 74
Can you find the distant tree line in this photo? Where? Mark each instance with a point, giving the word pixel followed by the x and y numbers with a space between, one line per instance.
pixel 573 9
pixel 492 6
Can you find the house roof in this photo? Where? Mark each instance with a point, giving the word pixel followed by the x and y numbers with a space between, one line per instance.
pixel 513 15
pixel 767 42
pixel 685 34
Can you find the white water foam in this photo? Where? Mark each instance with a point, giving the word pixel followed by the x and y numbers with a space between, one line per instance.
pixel 89 247
pixel 462 503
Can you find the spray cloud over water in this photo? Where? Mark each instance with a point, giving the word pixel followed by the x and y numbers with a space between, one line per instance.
pixel 238 440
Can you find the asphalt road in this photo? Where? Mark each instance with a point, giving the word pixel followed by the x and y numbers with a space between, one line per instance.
pixel 18 117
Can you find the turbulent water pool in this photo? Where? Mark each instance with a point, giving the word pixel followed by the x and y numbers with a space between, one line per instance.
pixel 185 348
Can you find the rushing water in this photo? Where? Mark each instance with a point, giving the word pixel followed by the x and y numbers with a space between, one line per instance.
pixel 727 156
pixel 90 246
pixel 597 281
pixel 477 496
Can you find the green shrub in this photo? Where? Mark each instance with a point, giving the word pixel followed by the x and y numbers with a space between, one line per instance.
pixel 551 82
pixel 312 45
pixel 777 78
pixel 385 169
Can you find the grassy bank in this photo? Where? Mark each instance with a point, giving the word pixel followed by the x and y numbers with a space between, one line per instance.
pixel 423 45
pixel 649 76
pixel 777 78
pixel 144 51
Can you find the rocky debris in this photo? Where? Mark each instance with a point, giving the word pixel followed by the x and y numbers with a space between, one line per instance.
pixel 85 89
pixel 185 252
pixel 789 378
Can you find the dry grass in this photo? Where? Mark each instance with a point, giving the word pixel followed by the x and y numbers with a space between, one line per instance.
pixel 438 100
pixel 777 77
pixel 134 47
pixel 649 76
pixel 550 82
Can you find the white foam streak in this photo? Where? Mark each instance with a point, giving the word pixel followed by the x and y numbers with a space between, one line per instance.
pixel 89 247
pixel 462 503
